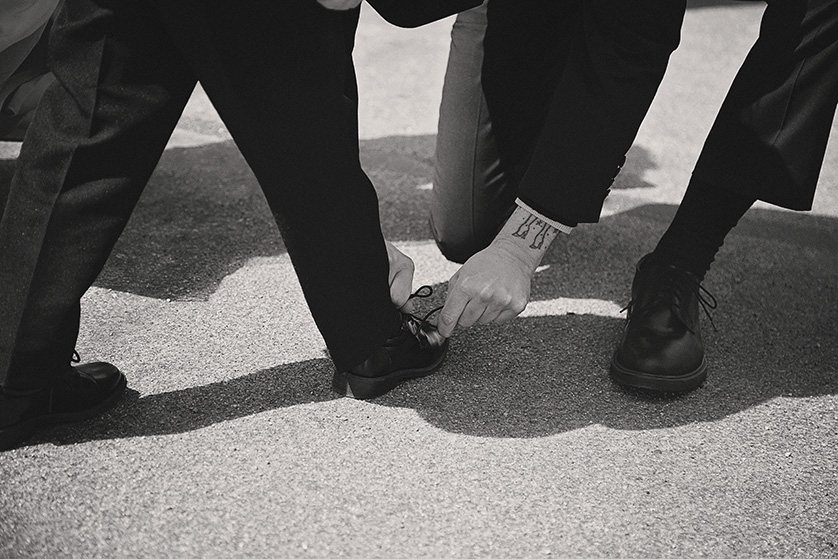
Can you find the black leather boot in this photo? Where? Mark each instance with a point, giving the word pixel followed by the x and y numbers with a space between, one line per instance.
pixel 416 351
pixel 81 392
pixel 661 348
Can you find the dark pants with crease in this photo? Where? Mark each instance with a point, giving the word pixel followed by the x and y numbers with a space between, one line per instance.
pixel 769 138
pixel 563 112
pixel 542 100
pixel 280 76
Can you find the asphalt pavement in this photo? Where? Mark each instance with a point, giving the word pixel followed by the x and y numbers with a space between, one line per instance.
pixel 230 443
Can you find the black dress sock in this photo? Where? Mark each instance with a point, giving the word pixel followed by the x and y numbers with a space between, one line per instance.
pixel 705 217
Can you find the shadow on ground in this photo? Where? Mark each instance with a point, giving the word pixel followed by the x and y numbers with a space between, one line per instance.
pixel 776 280
pixel 777 284
pixel 202 215
pixel 201 406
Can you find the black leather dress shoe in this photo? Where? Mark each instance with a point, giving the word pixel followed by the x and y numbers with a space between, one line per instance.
pixel 661 348
pixel 82 392
pixel 416 351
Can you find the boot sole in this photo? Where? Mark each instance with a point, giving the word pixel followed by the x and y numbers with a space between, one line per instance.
pixel 13 435
pixel 660 383
pixel 364 388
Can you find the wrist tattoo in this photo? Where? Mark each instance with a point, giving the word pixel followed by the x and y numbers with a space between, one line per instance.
pixel 541 228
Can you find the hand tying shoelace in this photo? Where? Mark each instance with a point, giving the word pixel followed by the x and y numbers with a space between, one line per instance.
pixel 416 350
pixel 431 335
pixel 421 293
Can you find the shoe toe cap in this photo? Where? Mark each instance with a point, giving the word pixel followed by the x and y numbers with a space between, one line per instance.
pixel 661 356
pixel 106 376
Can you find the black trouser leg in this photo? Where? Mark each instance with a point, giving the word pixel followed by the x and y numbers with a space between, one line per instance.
pixel 610 64
pixel 769 138
pixel 705 217
pixel 281 79
pixel 95 140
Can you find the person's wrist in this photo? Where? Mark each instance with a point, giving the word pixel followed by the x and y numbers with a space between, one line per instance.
pixel 519 252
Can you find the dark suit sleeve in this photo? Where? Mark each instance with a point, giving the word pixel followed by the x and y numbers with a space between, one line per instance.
pixel 414 13
pixel 567 143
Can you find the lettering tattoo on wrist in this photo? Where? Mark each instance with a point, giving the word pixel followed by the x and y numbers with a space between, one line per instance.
pixel 542 229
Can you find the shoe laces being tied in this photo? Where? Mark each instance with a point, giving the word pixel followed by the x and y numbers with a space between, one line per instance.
pixel 667 287
pixel 420 327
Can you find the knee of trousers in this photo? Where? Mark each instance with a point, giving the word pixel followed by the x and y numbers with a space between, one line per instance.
pixel 456 242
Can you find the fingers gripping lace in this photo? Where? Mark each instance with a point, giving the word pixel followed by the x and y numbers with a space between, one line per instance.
pixel 423 292
pixel 425 332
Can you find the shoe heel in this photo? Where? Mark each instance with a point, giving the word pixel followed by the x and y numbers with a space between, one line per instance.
pixel 362 388
pixel 11 437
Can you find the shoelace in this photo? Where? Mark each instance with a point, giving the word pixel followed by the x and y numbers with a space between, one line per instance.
pixel 423 292
pixel 668 292
pixel 425 332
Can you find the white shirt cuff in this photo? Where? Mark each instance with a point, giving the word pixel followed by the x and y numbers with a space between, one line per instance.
pixel 560 226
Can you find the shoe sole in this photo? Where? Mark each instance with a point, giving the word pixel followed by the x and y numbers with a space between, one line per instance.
pixel 639 379
pixel 13 435
pixel 365 388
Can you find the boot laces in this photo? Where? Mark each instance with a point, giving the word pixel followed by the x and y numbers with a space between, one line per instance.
pixel 420 326
pixel 668 290
pixel 423 292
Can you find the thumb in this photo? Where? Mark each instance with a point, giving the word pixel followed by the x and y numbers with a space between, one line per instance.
pixel 401 287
